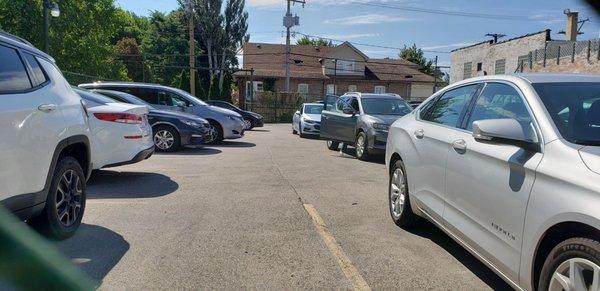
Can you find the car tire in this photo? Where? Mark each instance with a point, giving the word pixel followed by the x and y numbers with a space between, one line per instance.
pixel 302 135
pixel 333 145
pixel 362 153
pixel 217 132
pixel 250 123
pixel 293 130
pixel 69 185
pixel 400 210
pixel 166 138
pixel 581 252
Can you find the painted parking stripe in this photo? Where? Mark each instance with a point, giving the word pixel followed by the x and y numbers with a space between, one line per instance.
pixel 350 271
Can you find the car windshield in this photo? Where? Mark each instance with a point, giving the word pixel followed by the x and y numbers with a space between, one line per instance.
pixel 385 106
pixel 313 109
pixel 574 108
pixel 196 99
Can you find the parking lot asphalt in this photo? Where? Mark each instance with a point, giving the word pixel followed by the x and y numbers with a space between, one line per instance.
pixel 269 211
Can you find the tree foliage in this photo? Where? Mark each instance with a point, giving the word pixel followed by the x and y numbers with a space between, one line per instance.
pixel 415 55
pixel 305 40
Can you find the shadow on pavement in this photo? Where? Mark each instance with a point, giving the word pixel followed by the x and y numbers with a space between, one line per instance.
pixel 427 230
pixel 259 130
pixel 95 250
pixel 350 153
pixel 234 144
pixel 200 151
pixel 113 184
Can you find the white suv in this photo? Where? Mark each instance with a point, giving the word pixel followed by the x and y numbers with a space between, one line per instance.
pixel 45 144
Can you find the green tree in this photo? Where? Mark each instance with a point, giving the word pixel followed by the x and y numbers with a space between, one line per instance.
pixel 80 39
pixel 305 40
pixel 415 55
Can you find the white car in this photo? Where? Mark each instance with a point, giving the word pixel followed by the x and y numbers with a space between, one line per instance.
pixel 120 132
pixel 307 120
pixel 45 146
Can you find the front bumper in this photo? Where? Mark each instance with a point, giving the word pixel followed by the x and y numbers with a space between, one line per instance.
pixel 143 155
pixel 233 129
pixel 258 122
pixel 196 137
pixel 310 128
pixel 377 140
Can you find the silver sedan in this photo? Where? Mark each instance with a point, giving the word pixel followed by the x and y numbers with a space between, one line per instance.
pixel 509 167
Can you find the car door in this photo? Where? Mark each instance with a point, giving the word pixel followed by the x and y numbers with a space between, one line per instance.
pixel 436 127
pixel 347 122
pixel 327 122
pixel 31 124
pixel 487 184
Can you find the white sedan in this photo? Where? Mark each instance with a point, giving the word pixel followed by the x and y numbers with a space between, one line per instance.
pixel 307 120
pixel 120 132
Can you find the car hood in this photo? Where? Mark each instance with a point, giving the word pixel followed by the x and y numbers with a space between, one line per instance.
pixel 386 119
pixel 591 157
pixel 315 117
pixel 175 114
pixel 223 111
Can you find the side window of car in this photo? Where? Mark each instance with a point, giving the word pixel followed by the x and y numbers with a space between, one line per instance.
pixel 500 101
pixel 171 99
pixel 448 108
pixel 13 75
pixel 147 94
pixel 38 76
pixel 354 104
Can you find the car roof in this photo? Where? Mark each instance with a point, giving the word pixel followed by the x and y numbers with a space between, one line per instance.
pixel 375 95
pixel 318 104
pixel 15 41
pixel 100 84
pixel 557 77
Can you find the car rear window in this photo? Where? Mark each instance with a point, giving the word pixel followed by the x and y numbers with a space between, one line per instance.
pixel 38 77
pixel 13 75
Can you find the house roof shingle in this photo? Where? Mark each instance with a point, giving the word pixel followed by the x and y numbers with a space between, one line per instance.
pixel 267 60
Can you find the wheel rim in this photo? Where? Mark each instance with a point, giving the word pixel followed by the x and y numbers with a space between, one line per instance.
pixel 164 139
pixel 247 124
pixel 576 274
pixel 360 145
pixel 397 193
pixel 329 144
pixel 213 133
pixel 68 198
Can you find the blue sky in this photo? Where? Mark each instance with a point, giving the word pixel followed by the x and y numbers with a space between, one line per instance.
pixel 347 20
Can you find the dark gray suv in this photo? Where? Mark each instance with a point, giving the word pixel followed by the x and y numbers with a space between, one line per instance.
pixel 361 120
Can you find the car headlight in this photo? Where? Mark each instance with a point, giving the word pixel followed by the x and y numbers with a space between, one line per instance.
pixel 381 126
pixel 191 123
pixel 308 121
pixel 233 117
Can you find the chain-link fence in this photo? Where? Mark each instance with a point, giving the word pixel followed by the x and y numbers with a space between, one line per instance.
pixel 557 52
pixel 279 107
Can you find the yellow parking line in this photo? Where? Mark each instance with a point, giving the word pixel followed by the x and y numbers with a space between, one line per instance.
pixel 343 261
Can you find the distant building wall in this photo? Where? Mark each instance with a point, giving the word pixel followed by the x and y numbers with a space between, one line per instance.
pixel 495 58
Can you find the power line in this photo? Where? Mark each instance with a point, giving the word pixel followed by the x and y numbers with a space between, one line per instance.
pixel 365 44
pixel 446 12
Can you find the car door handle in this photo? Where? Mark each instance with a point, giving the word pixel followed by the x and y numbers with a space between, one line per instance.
pixel 419 134
pixel 47 107
pixel 460 146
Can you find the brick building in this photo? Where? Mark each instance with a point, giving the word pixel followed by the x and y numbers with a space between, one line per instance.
pixel 316 71
pixel 490 58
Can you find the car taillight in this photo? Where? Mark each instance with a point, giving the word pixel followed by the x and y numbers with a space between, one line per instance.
pixel 120 117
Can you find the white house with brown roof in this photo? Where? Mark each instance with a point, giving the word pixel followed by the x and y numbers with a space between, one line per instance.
pixel 316 71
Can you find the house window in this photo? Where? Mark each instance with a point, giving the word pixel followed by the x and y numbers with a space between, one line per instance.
pixel 479 67
pixel 331 89
pixel 467 70
pixel 500 67
pixel 379 89
pixel 258 86
pixel 345 66
pixel 303 89
pixel 352 88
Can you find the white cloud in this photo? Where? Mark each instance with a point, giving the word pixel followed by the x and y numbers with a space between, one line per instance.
pixel 547 18
pixel 451 45
pixel 370 18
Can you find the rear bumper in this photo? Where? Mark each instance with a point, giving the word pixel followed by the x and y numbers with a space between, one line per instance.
pixel 143 155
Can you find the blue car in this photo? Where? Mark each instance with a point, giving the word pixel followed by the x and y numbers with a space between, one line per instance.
pixel 251 119
pixel 171 130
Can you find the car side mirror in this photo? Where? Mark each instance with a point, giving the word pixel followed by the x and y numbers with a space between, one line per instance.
pixel 503 131
pixel 349 110
pixel 297 113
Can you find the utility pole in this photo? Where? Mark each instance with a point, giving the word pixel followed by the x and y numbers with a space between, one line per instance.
pixel 50 9
pixel 435 70
pixel 289 21
pixel 192 48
